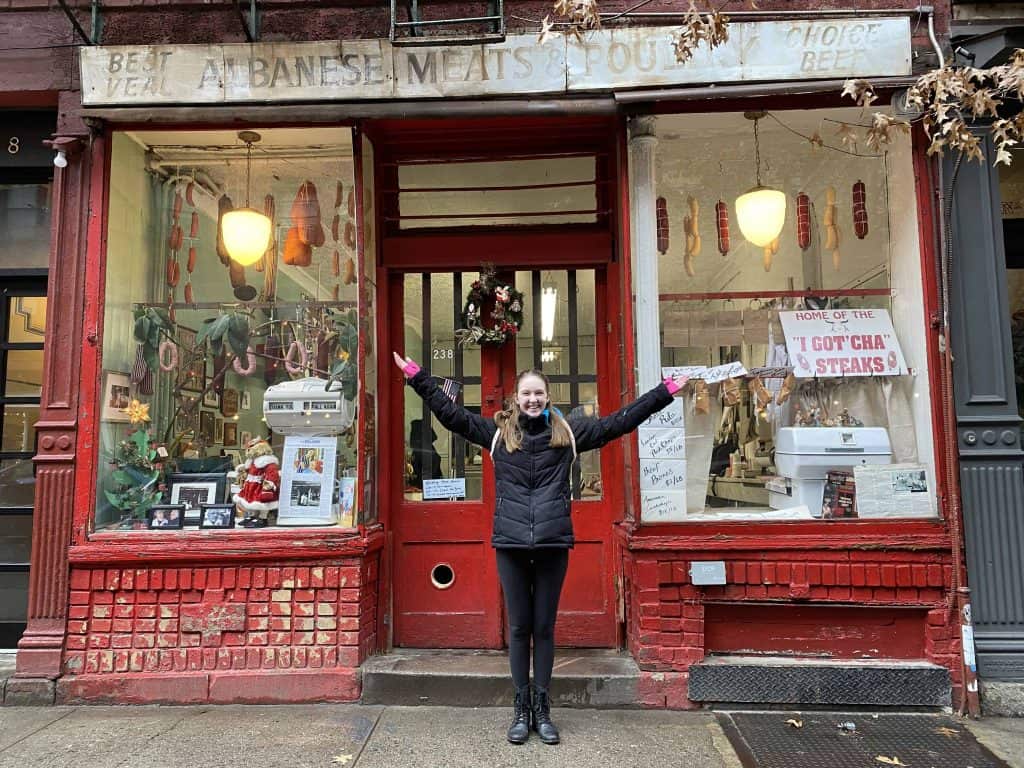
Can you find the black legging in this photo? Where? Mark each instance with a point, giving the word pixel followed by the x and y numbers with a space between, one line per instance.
pixel 532 581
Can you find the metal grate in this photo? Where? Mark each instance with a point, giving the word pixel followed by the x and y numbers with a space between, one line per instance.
pixel 764 740
pixel 415 29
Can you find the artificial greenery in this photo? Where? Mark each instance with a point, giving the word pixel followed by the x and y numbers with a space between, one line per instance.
pixel 133 483
pixel 344 368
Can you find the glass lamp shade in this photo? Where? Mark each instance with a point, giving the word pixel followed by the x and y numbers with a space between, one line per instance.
pixel 246 235
pixel 761 212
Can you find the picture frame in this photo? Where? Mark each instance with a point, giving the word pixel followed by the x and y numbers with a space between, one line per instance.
pixel 234 456
pixel 244 437
pixel 187 421
pixel 217 516
pixel 191 489
pixel 163 517
pixel 211 399
pixel 230 433
pixel 246 401
pixel 116 394
pixel 229 402
pixel 207 425
pixel 218 430
pixel 192 362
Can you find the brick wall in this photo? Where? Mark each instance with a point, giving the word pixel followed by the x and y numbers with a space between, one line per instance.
pixel 665 611
pixel 216 623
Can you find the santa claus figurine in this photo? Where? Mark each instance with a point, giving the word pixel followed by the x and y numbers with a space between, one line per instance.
pixel 260 481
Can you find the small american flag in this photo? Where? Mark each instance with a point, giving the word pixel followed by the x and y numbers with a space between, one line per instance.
pixel 450 387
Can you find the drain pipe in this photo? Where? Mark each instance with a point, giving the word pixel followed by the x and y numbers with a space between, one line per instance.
pixel 929 11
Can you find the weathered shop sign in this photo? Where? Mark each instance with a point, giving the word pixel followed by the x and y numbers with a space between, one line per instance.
pixel 842 342
pixel 374 69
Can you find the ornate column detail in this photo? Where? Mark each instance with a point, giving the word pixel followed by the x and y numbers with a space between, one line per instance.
pixel 40 649
pixel 643 143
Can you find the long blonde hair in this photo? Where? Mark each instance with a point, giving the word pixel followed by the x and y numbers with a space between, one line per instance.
pixel 508 419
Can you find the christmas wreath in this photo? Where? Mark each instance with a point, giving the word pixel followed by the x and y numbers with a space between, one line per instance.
pixel 507 313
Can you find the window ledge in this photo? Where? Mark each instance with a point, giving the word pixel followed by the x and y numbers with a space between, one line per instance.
pixel 906 534
pixel 224 546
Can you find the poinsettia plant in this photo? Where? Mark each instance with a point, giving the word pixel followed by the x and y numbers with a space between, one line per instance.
pixel 138 465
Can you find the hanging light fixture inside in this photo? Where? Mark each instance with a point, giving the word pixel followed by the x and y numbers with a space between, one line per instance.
pixel 761 211
pixel 548 305
pixel 246 231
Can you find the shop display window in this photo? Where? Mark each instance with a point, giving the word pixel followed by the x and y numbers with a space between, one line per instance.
pixel 231 359
pixel 804 402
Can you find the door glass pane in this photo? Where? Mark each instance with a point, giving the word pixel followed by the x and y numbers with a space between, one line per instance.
pixel 19 428
pixel 562 336
pixel 17 484
pixel 15 538
pixel 433 304
pixel 13 595
pixel 26 320
pixel 24 373
pixel 25 224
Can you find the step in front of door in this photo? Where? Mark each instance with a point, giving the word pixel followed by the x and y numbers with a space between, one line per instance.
pixel 788 680
pixel 600 679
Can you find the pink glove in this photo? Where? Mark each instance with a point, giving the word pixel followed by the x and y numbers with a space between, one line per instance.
pixel 671 386
pixel 410 369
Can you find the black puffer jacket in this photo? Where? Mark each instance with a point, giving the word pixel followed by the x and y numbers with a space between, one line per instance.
pixel 532 483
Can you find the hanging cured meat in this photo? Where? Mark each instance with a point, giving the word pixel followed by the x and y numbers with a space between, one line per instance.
pixel 296 253
pixel 193 230
pixel 237 274
pixel 335 226
pixel 351 204
pixel 831 229
pixel 189 299
pixel 691 227
pixel 173 273
pixel 338 195
pixel 661 208
pixel 769 252
pixel 272 360
pixel 176 238
pixel 335 263
pixel 722 223
pixel 224 205
pixel 803 221
pixel 350 271
pixel 860 210
pixel 177 205
pixel 305 215
pixel 350 235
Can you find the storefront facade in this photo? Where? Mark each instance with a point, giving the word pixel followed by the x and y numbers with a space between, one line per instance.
pixel 597 180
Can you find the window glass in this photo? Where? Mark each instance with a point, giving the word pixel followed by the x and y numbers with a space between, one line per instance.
pixel 219 352
pixel 25 222
pixel 801 426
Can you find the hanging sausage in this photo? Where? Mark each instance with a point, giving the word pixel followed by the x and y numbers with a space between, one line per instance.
pixel 803 221
pixel 691 227
pixel 722 224
pixel 224 205
pixel 661 212
pixel 305 215
pixel 860 210
pixel 831 229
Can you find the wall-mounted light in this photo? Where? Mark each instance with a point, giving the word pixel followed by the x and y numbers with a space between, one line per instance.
pixel 60 159
pixel 246 231
pixel 548 356
pixel 761 211
pixel 548 305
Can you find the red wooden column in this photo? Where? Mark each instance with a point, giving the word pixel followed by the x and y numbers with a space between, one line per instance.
pixel 40 649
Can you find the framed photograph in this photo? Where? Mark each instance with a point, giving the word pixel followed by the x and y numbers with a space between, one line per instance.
pixel 193 489
pixel 246 401
pixel 166 516
pixel 234 456
pixel 230 433
pixel 307 481
pixel 229 402
pixel 211 399
pixel 217 516
pixel 244 437
pixel 191 362
pixel 218 430
pixel 207 425
pixel 117 388
pixel 187 421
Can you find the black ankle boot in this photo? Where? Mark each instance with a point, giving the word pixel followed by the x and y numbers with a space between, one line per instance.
pixel 542 717
pixel 519 731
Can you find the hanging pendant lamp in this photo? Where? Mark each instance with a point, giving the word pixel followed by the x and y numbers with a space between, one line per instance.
pixel 246 231
pixel 761 211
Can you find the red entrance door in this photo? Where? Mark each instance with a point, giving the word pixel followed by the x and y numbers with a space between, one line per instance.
pixel 446 590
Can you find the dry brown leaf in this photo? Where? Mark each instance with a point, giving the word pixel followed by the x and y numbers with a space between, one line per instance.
pixel 949 733
pixel 889 760
pixel 793 723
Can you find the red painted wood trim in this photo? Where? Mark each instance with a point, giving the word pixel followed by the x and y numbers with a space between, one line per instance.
pixel 753 536
pixel 574 248
pixel 266 545
pixel 366 319
pixel 926 218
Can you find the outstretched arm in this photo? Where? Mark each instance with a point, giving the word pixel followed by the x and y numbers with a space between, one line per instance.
pixel 593 433
pixel 462 422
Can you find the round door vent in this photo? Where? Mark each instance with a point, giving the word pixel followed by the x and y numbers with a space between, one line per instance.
pixel 442 576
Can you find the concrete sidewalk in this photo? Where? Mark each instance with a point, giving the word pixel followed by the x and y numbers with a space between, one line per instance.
pixel 317 736
pixel 367 736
